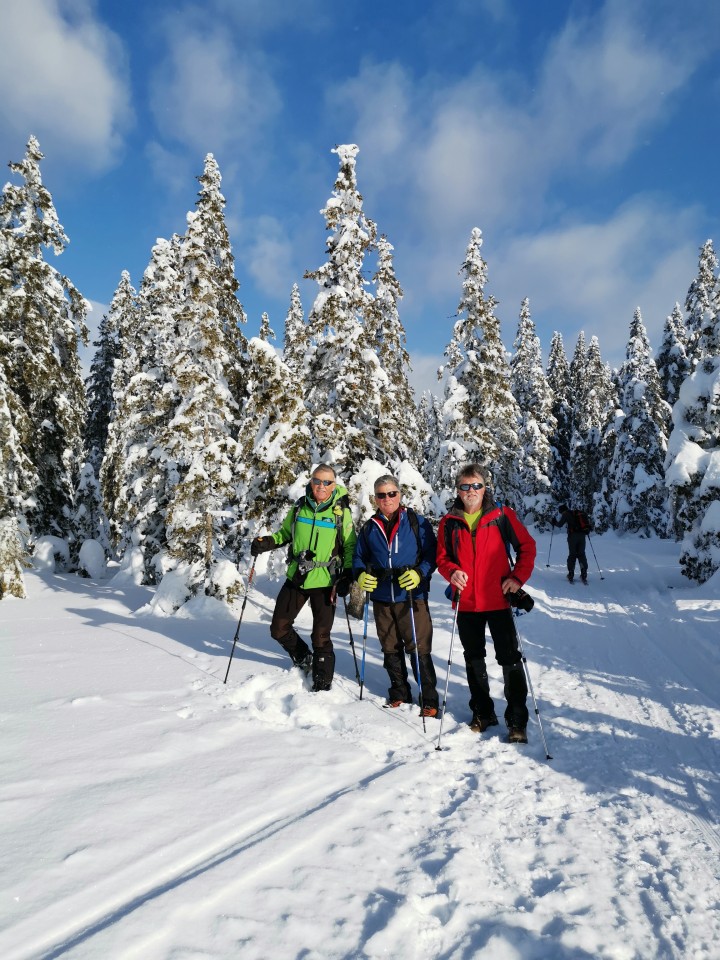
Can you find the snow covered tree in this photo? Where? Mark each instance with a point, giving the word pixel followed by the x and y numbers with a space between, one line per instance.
pixel 702 302
pixel 636 475
pixel 99 392
pixel 42 320
pixel 537 426
pixel 18 477
pixel 345 381
pixel 429 413
pixel 693 460
pixel 594 408
pixel 398 429
pixel 480 415
pixel 274 454
pixel 559 385
pixel 136 476
pixel 266 331
pixel 672 361
pixel 13 558
pixel 199 439
pixel 295 341
pixel 89 521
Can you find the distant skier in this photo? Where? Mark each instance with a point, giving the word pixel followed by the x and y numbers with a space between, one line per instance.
pixel 578 527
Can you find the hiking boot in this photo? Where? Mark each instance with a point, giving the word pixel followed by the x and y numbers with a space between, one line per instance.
pixel 305 664
pixel 321 685
pixel 571 577
pixel 395 703
pixel 480 724
pixel 584 578
pixel 429 712
pixel 517 735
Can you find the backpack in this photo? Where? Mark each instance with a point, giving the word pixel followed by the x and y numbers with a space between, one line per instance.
pixel 341 504
pixel 580 522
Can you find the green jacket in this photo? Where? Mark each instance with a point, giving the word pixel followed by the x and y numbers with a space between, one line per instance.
pixel 322 540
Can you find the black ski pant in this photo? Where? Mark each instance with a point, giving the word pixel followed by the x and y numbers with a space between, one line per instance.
pixel 395 632
pixel 576 551
pixel 471 630
pixel 288 605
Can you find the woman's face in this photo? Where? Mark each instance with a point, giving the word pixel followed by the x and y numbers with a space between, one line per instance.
pixel 471 498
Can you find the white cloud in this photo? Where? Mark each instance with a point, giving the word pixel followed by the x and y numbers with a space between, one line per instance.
pixel 268 257
pixel 209 95
pixel 63 78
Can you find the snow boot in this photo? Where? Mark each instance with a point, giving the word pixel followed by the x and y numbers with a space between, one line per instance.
pixel 517 735
pixel 323 668
pixel 571 577
pixel 481 724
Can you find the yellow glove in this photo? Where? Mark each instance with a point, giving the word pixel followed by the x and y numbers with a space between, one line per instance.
pixel 409 580
pixel 367 582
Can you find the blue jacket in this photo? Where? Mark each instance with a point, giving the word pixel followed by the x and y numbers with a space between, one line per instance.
pixel 388 557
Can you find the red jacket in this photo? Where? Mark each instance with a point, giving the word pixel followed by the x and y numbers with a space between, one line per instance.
pixel 484 557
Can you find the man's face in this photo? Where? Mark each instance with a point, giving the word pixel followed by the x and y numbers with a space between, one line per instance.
pixel 387 499
pixel 471 499
pixel 323 485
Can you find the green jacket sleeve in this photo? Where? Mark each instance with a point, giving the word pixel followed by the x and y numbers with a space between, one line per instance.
pixel 349 539
pixel 284 534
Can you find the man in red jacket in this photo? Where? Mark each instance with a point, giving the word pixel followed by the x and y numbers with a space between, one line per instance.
pixel 472 555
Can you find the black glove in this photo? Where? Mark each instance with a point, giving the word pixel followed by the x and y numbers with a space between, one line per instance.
pixel 342 584
pixel 520 599
pixel 261 545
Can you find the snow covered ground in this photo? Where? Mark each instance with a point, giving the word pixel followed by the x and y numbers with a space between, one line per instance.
pixel 150 811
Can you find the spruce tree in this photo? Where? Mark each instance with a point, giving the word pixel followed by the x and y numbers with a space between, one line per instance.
pixel 398 436
pixel 672 360
pixel 344 380
pixel 532 393
pixel 199 439
pixel 266 331
pixel 295 341
pixel 693 460
pixel 42 321
pixel 636 476
pixel 702 301
pixel 480 415
pixel 99 392
pixel 559 385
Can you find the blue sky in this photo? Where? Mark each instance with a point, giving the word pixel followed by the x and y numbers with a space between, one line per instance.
pixel 582 138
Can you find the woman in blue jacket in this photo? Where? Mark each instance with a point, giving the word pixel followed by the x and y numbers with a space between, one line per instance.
pixel 393 561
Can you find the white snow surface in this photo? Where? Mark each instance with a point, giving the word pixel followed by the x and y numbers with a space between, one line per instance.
pixel 150 810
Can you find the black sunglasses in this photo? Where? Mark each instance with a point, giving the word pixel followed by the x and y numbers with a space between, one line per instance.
pixel 321 483
pixel 470 486
pixel 392 494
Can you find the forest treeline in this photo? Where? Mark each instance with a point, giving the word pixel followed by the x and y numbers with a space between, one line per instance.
pixel 188 438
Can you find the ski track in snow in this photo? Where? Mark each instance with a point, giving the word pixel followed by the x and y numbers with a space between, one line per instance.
pixel 322 826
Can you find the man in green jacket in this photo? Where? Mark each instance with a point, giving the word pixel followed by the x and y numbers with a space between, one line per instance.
pixel 319 529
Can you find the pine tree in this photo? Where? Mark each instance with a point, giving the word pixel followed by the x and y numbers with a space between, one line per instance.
pixel 137 475
pixel 693 460
pixel 345 380
pixel 14 558
pixel 398 430
pixel 89 521
pixel 702 301
pixel 295 343
pixel 672 361
pixel 200 437
pixel 480 415
pixel 266 331
pixel 559 385
pixel 42 317
pixel 18 477
pixel 99 392
pixel 534 399
pixel 636 476
pixel 274 454
pixel 594 409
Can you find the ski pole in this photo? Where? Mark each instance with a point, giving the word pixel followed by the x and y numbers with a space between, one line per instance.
pixel 596 559
pixel 417 658
pixel 352 642
pixel 552 531
pixel 364 647
pixel 447 677
pixel 532 692
pixel 251 574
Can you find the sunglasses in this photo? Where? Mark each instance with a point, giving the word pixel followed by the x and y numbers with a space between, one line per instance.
pixel 470 486
pixel 392 494
pixel 321 483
